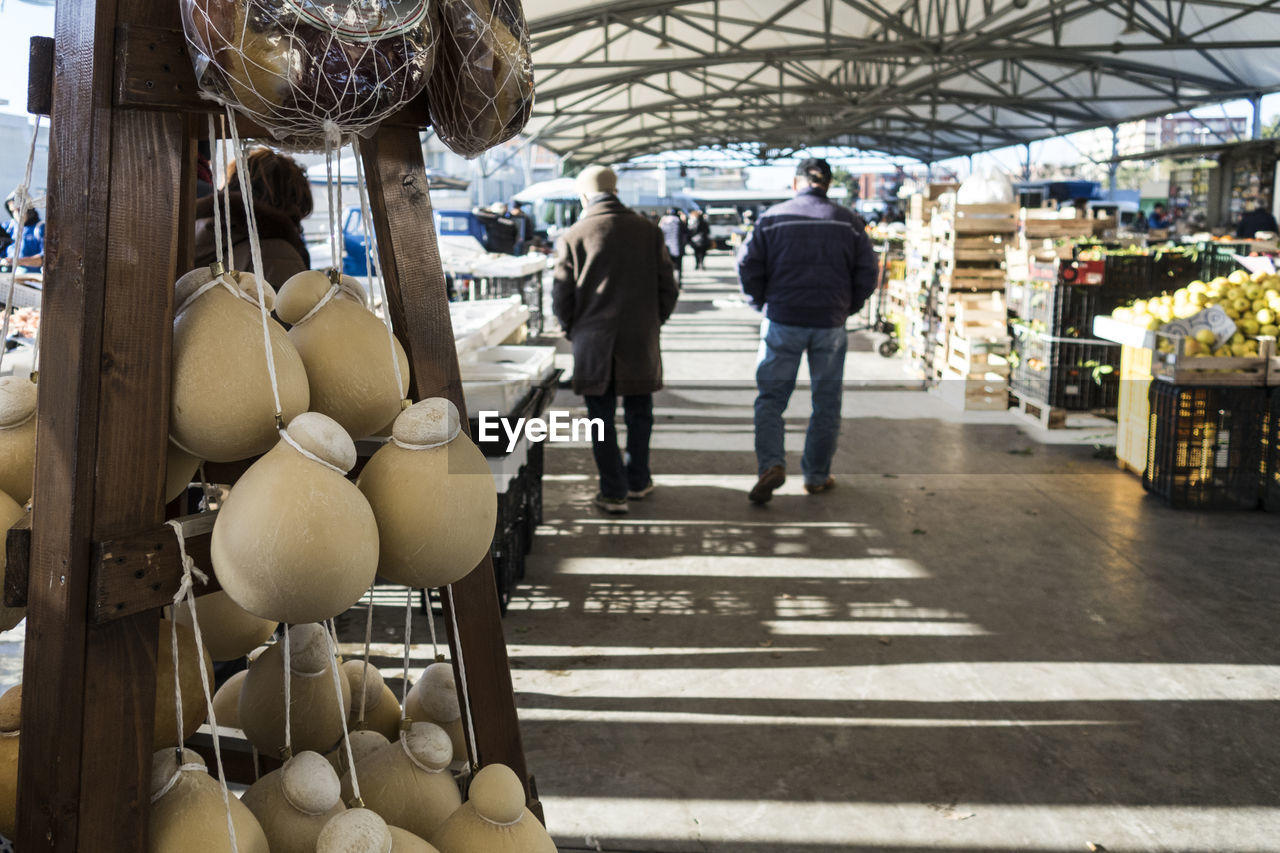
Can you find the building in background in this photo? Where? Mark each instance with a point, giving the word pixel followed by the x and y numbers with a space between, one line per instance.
pixel 15 142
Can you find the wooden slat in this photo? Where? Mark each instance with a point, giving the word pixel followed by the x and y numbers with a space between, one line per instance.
pixel 17 568
pixel 40 76
pixel 143 571
pixel 418 302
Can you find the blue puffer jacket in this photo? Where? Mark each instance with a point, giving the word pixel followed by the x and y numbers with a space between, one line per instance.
pixel 808 262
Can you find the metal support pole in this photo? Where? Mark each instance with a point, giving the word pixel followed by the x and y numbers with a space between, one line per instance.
pixel 1026 168
pixel 1114 165
pixel 1255 131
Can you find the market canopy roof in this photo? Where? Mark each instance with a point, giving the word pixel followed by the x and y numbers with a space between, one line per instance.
pixel 928 79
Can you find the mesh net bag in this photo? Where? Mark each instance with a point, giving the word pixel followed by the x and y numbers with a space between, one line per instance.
pixel 481 91
pixel 306 70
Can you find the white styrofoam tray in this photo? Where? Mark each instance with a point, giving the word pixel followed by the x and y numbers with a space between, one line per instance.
pixel 536 362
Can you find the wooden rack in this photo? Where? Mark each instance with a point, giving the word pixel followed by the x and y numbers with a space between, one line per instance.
pixel 126 117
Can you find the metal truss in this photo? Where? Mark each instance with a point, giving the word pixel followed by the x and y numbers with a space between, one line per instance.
pixel 927 79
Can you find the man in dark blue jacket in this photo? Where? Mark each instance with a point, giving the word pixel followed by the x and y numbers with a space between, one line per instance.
pixel 808 265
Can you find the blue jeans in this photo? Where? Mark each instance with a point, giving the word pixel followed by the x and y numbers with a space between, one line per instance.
pixel 776 366
pixel 617 476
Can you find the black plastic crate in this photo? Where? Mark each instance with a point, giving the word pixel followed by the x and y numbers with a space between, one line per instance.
pixel 1271 454
pixel 1171 271
pixel 1064 310
pixel 1075 375
pixel 1217 261
pixel 1128 273
pixel 1205 445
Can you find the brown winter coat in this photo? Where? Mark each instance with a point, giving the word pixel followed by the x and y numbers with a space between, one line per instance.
pixel 614 288
pixel 284 252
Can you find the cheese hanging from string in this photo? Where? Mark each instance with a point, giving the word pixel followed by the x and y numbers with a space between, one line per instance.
pixel 189 814
pixel 481 91
pixel 294 802
pixel 229 630
pixel 408 782
pixel 434 699
pixel 364 742
pixel 10 737
pixel 362 831
pixel 180 466
pixel 295 541
pixel 226 702
pixel 370 692
pixel 494 819
pixel 433 495
pixel 346 350
pixel 17 437
pixel 194 706
pixel 307 69
pixel 223 408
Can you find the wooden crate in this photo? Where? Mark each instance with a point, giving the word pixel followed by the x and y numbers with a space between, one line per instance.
pixel 989 248
pixel 968 356
pixel 980 315
pixel 974 392
pixel 975 278
pixel 1177 369
pixel 984 219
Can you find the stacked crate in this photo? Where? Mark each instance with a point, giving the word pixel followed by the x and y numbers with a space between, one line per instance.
pixel 969 247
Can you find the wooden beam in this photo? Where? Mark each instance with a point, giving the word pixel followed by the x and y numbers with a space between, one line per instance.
pixel 40 76
pixel 17 564
pixel 418 301
pixel 143 571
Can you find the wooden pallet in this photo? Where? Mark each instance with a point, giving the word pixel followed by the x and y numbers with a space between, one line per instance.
pixel 1039 412
pixel 974 279
pixel 968 356
pixel 974 393
pixel 971 219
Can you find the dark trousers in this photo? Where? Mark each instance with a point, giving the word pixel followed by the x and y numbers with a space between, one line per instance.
pixel 677 261
pixel 699 256
pixel 617 476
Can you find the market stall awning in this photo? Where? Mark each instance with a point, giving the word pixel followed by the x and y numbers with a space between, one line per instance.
pixel 924 78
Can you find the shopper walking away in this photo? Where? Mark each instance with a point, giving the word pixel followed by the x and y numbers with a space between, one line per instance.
pixel 500 230
pixel 676 235
pixel 1256 219
pixel 614 288
pixel 524 228
pixel 26 241
pixel 808 265
pixel 699 238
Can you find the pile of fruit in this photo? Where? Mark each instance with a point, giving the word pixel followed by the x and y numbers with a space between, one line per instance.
pixel 1252 301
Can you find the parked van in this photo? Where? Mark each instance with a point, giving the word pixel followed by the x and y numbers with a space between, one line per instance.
pixel 722 221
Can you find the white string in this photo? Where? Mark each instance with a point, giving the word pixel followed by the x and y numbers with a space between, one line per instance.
pixel 431 626
pixel 288 700
pixel 288 439
pixel 229 261
pixel 324 300
pixel 255 251
pixel 332 205
pixel 407 446
pixel 342 712
pixel 408 631
pixel 173 780
pixel 460 659
pixel 413 759
pixel 186 588
pixel 23 203
pixel 217 209
pixel 223 280
pixel 177 680
pixel 368 642
pixel 366 221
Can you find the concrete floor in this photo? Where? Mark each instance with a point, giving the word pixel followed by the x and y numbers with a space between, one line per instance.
pixel 979 641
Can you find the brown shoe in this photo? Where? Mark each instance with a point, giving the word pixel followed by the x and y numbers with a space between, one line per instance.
pixel 762 491
pixel 821 487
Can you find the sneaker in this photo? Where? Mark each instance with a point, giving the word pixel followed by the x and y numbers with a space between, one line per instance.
pixel 820 487
pixel 640 494
pixel 762 491
pixel 613 506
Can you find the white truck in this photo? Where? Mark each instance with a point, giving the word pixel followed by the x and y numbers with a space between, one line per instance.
pixel 722 222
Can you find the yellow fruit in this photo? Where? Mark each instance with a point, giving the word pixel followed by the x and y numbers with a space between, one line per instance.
pixel 1249 326
pixel 1252 290
pixel 1197 287
pixel 1241 304
pixel 1238 277
pixel 1271 330
pixel 1206 337
pixel 1265 317
pixel 1191 346
pixel 1239 350
pixel 1185 310
pixel 1231 312
pixel 1258 305
pixel 1153 323
pixel 1222 352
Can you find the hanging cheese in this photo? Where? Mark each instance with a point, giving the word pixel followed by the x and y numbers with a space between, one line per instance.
pixel 494 819
pixel 180 468
pixel 364 742
pixel 226 702
pixel 434 699
pixel 433 495
pixel 194 706
pixel 17 437
pixel 222 408
pixel 295 541
pixel 188 814
pixel 408 782
pixel 10 514
pixel 346 350
pixel 228 630
pixel 381 709
pixel 362 831
pixel 10 730
pixel 294 803
pixel 315 713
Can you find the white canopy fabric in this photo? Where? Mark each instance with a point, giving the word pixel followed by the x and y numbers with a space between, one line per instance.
pixel 923 78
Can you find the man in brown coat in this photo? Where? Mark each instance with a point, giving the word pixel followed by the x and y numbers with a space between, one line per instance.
pixel 614 288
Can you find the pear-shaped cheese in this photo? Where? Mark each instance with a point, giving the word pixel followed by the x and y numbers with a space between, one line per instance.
pixel 222 408
pixel 228 630
pixel 10 729
pixel 226 702
pixel 316 715
pixel 180 468
pixel 188 814
pixel 346 350
pixel 433 495
pixel 362 831
pixel 364 742
pixel 194 706
pixel 17 437
pixel 494 819
pixel 294 803
pixel 295 540
pixel 10 514
pixel 434 699
pixel 408 782
pixel 381 708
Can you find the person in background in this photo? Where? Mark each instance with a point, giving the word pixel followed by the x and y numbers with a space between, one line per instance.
pixel 500 232
pixel 524 227
pixel 27 240
pixel 699 238
pixel 281 200
pixel 614 288
pixel 1256 219
pixel 809 266
pixel 1159 219
pixel 204 170
pixel 676 235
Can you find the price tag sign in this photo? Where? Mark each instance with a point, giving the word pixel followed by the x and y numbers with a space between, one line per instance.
pixel 1213 318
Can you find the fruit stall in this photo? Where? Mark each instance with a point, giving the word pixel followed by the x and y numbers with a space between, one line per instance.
pixel 156 374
